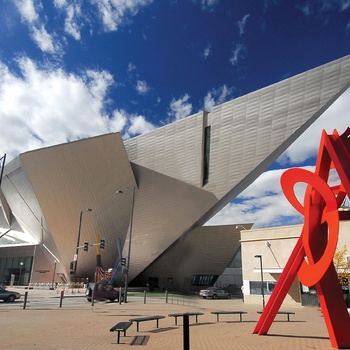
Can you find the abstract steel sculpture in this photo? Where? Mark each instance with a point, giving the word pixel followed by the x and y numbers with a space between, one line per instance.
pixel 312 257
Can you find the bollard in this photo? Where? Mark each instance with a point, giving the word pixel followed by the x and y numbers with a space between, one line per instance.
pixel 61 298
pixel 186 331
pixel 166 297
pixel 144 296
pixel 25 300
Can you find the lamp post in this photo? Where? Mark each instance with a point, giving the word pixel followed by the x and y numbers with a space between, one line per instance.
pixel 53 276
pixel 20 270
pixel 78 241
pixel 130 235
pixel 262 279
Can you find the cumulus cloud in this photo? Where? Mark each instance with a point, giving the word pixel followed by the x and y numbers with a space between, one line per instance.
pixel 337 116
pixel 43 39
pixel 217 96
pixel 263 202
pixel 180 108
pixel 113 13
pixel 71 25
pixel 27 10
pixel 30 14
pixel 139 125
pixel 142 87
pixel 43 107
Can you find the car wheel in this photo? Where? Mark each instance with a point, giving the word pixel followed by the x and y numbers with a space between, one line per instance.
pixel 229 296
pixel 11 298
pixel 89 300
pixel 111 299
pixel 215 296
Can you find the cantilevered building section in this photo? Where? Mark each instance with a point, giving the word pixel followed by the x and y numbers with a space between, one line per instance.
pixel 184 173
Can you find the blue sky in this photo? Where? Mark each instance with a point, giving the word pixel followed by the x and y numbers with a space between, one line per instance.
pixel 75 69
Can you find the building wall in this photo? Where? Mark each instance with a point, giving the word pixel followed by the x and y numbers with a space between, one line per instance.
pixel 275 255
pixel 204 251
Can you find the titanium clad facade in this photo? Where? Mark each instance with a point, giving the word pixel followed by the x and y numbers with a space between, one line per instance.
pixel 184 173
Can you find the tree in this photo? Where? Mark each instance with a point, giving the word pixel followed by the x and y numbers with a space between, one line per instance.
pixel 342 266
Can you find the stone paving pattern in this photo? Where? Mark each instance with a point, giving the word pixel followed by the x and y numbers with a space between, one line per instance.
pixel 87 327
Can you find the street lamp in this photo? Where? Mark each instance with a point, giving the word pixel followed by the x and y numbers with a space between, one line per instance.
pixel 53 276
pixel 129 249
pixel 262 279
pixel 78 242
pixel 20 270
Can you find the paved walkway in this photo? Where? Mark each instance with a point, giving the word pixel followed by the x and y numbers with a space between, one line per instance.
pixel 87 327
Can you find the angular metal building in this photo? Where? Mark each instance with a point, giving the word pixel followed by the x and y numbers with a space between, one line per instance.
pixel 183 174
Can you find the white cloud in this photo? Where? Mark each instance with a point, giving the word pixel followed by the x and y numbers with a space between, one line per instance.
pixel 242 23
pixel 27 10
pixel 60 3
pixel 208 4
pixel 43 107
pixel 238 53
pixel 180 108
pixel 217 96
pixel 263 202
pixel 336 116
pixel 43 39
pixel 131 67
pixel 207 52
pixel 71 26
pixel 114 12
pixel 141 87
pixel 139 125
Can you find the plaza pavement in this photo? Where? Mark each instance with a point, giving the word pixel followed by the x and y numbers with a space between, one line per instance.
pixel 87 327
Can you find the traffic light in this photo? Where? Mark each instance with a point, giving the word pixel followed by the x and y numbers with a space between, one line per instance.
pixel 102 243
pixel 124 262
pixel 71 266
pixel 86 246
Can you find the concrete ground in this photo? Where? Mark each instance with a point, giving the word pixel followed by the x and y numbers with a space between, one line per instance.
pixel 83 326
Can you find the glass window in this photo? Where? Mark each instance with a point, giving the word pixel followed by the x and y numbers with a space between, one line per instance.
pixel 207 134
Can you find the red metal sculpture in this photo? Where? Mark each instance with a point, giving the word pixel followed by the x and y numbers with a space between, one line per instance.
pixel 312 257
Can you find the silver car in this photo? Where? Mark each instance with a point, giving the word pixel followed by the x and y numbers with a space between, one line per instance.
pixel 214 293
pixel 8 295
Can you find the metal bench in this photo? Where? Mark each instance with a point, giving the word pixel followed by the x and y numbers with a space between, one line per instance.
pixel 217 313
pixel 288 313
pixel 144 319
pixel 120 327
pixel 196 314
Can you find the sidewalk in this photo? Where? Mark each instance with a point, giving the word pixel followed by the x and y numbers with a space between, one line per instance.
pixel 87 327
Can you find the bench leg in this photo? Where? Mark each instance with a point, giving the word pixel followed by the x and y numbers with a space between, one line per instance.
pixel 157 322
pixel 175 320
pixel 240 317
pixel 118 337
pixel 196 318
pixel 217 317
pixel 137 326
pixel 288 317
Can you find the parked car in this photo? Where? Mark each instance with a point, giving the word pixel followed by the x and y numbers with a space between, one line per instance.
pixel 102 291
pixel 8 295
pixel 214 293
